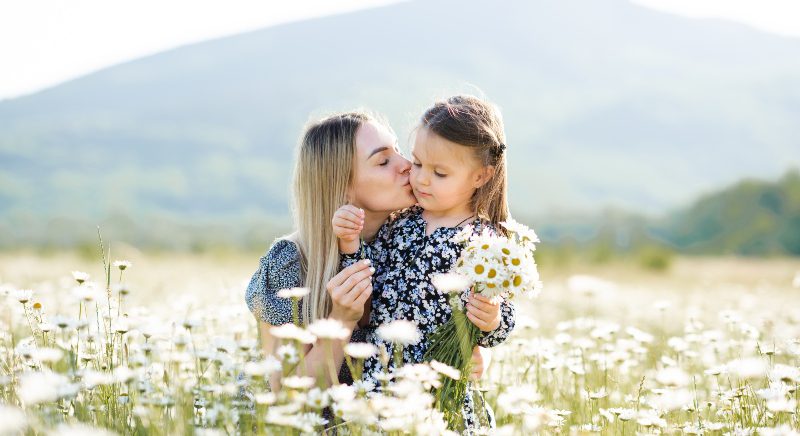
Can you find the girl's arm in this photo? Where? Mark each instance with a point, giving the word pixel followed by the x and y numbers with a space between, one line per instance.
pixel 495 320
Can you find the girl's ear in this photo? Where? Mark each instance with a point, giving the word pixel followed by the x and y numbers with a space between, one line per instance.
pixel 482 176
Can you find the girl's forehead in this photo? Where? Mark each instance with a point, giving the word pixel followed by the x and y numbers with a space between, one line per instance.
pixel 434 148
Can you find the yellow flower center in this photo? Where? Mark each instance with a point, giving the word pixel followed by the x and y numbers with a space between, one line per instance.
pixel 479 269
pixel 515 261
pixel 517 280
pixel 492 273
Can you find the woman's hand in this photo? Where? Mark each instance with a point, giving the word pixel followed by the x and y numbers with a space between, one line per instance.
pixel 481 357
pixel 349 290
pixel 483 312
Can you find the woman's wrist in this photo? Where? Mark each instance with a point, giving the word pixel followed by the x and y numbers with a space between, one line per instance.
pixel 348 322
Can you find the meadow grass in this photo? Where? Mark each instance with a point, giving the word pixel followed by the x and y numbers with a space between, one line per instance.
pixel 167 346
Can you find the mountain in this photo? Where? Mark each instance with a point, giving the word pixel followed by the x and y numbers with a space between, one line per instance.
pixel 605 103
pixel 752 217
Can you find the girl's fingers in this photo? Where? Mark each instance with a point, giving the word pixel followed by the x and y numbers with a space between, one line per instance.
pixel 349 215
pixel 482 315
pixel 478 323
pixel 350 212
pixel 482 305
pixel 339 222
pixel 483 298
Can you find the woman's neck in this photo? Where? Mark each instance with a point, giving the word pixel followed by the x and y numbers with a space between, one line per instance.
pixel 372 223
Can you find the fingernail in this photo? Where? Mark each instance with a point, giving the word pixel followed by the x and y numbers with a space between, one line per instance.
pixel 372 269
pixel 367 262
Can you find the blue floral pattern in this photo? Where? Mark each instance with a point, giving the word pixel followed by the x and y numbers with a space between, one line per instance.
pixel 404 258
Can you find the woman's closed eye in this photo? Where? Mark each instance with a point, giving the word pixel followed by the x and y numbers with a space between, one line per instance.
pixel 385 162
pixel 440 175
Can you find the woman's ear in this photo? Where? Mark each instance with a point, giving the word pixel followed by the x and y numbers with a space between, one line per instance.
pixel 482 176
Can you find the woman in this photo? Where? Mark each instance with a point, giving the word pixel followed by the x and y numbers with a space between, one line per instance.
pixel 344 158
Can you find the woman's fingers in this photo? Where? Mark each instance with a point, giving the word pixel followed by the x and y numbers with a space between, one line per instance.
pixel 356 278
pixel 349 296
pixel 365 294
pixel 482 298
pixel 344 274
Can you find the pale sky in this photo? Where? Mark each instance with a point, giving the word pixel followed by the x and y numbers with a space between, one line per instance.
pixel 46 42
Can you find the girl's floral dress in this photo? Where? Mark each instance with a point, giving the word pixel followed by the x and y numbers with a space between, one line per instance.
pixel 404 258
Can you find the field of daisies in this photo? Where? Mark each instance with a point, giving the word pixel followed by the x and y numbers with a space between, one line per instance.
pixel 164 344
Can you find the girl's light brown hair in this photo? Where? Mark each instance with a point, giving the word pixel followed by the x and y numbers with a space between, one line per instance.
pixel 472 122
pixel 323 172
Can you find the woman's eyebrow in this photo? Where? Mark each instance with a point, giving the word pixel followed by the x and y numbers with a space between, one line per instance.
pixel 376 151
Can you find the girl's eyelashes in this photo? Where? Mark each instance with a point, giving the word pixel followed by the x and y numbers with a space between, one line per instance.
pixel 384 163
pixel 439 174
pixel 417 164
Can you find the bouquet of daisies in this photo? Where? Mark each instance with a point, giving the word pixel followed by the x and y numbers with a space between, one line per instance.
pixel 495 266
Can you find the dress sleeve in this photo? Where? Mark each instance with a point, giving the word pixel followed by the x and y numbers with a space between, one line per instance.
pixel 370 250
pixel 278 269
pixel 501 333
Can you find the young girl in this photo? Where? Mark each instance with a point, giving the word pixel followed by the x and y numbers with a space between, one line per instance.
pixel 458 177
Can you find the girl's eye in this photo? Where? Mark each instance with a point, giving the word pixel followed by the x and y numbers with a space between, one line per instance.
pixel 384 163
pixel 439 175
pixel 417 164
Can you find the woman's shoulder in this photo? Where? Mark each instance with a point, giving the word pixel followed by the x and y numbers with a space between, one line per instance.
pixel 279 269
pixel 282 250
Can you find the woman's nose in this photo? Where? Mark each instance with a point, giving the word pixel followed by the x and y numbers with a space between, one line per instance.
pixel 405 165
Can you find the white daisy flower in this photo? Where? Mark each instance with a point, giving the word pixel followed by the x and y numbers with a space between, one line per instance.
pixel 360 350
pixel 328 328
pixel 80 276
pixel 293 292
pixel 291 331
pixel 400 332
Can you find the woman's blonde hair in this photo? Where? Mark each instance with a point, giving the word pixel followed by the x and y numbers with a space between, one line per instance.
pixel 322 175
pixel 475 123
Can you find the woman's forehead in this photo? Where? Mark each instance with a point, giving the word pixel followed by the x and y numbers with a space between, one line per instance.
pixel 372 135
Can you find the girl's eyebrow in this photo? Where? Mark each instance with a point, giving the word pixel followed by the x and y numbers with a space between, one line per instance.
pixel 442 166
pixel 376 151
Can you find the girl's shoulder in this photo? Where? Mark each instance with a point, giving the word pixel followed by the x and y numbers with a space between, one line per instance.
pixel 399 219
pixel 404 214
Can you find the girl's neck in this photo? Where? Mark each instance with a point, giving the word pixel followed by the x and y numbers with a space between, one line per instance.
pixel 372 223
pixel 447 218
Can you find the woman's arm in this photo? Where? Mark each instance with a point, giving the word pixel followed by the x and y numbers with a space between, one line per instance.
pixel 349 290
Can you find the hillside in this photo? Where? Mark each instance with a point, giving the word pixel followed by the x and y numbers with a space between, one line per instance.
pixel 606 103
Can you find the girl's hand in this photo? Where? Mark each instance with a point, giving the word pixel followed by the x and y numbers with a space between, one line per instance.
pixel 349 290
pixel 480 361
pixel 348 221
pixel 484 313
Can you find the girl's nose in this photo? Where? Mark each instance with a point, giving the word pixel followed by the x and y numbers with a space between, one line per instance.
pixel 419 177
